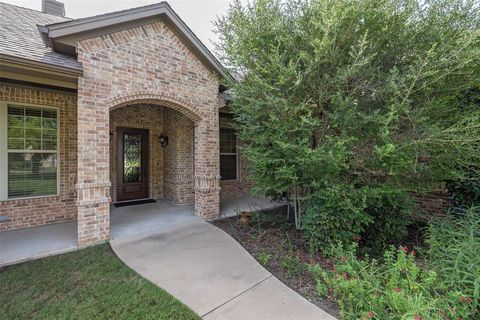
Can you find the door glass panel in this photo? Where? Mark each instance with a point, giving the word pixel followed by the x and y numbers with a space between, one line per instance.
pixel 132 157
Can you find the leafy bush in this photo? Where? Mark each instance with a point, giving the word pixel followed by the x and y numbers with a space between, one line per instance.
pixel 454 252
pixel 396 287
pixel 343 213
pixel 464 192
pixel 365 93
pixel 390 210
pixel 335 214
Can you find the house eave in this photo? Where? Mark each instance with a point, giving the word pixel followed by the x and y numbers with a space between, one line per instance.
pixel 17 68
pixel 41 66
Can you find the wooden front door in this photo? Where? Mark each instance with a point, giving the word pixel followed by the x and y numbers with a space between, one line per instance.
pixel 132 167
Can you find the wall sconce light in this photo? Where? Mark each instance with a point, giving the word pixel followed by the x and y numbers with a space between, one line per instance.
pixel 163 140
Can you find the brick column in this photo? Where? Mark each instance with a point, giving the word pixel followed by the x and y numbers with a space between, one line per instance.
pixel 207 168
pixel 178 158
pixel 93 187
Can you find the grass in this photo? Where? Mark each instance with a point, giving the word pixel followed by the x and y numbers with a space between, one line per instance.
pixel 88 284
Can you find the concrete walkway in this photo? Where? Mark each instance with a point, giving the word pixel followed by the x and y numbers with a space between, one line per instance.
pixel 211 273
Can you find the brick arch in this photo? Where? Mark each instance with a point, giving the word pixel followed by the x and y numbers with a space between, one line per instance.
pixel 192 112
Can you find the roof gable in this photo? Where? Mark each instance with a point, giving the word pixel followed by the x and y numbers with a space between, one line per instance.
pixel 63 36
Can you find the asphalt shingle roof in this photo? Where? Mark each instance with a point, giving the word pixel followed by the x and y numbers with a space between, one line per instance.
pixel 20 37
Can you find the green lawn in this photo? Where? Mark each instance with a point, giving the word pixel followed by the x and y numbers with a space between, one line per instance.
pixel 88 284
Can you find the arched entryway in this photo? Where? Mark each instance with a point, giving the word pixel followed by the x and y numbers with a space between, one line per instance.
pixel 151 154
pixel 185 171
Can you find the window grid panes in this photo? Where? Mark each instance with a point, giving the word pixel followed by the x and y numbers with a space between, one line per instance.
pixel 32 151
pixel 32 174
pixel 32 128
pixel 228 154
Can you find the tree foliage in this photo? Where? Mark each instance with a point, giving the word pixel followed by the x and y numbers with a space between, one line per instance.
pixel 360 93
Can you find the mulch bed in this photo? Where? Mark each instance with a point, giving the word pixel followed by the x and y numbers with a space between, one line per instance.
pixel 270 234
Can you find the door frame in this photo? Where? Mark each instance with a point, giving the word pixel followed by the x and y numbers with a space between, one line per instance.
pixel 120 161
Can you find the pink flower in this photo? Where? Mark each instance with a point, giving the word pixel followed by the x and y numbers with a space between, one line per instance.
pixel 397 290
pixel 413 253
pixel 371 314
pixel 465 299
pixel 417 317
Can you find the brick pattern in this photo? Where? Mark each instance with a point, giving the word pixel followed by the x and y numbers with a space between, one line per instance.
pixel 431 204
pixel 23 213
pixel 141 117
pixel 150 65
pixel 178 158
pixel 171 174
pixel 242 185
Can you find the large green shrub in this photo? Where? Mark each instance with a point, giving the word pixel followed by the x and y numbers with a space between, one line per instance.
pixel 365 93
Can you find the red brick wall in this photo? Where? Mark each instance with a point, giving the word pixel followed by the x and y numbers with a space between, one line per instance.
pixel 430 204
pixel 32 212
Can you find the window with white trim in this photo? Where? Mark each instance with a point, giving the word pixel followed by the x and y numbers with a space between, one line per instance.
pixel 29 151
pixel 228 154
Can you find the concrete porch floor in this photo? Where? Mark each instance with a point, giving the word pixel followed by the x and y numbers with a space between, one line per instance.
pixel 143 218
pixel 22 245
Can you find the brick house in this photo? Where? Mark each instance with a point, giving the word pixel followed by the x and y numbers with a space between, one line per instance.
pixel 117 107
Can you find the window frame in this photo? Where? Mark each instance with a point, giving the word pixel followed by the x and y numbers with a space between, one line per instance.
pixel 236 154
pixel 4 151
